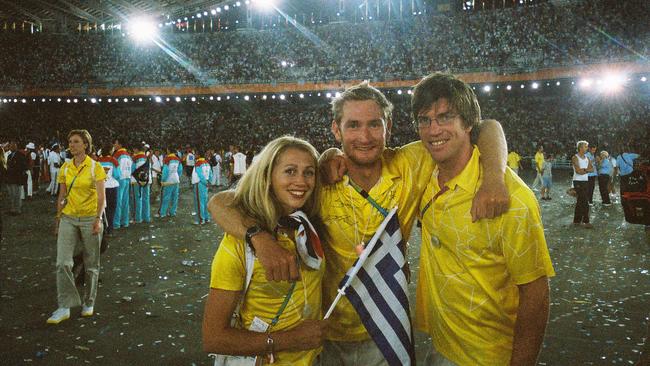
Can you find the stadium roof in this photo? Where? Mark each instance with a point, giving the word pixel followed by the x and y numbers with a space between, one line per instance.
pixel 95 11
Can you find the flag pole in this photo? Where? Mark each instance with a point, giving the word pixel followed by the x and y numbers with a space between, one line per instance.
pixel 359 263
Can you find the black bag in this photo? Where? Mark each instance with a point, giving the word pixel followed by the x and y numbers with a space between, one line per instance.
pixel 141 174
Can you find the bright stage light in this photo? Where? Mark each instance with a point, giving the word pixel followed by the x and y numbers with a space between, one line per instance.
pixel 177 99
pixel 93 100
pixel 301 95
pixel 643 78
pixel 586 83
pixel 535 85
pixel 509 87
pixel 612 83
pixel 142 29
pixel 264 4
pixel 246 97
pixel 158 99
pixel 487 88
pixel 282 96
pixel 213 12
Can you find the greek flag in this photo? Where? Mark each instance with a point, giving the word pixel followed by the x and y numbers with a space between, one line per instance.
pixel 376 286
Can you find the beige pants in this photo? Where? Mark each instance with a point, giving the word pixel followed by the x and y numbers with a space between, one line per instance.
pixel 363 353
pixel 76 232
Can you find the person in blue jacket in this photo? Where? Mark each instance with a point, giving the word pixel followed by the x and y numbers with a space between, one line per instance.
pixel 141 188
pixel 124 163
pixel 201 177
pixel 170 181
pixel 604 175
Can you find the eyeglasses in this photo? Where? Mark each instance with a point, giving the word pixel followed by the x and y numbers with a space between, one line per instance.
pixel 441 120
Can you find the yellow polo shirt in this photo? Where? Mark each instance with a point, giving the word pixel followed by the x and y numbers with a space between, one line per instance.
pixel 513 160
pixel 539 160
pixel 263 298
pixel 467 295
pixel 350 219
pixel 82 198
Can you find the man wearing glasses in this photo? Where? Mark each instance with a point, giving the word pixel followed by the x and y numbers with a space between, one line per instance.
pixel 377 179
pixel 482 292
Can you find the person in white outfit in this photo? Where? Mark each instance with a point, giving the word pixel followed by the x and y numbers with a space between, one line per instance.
pixel 54 163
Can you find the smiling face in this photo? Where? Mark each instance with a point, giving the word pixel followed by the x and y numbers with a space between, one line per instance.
pixel 293 179
pixel 77 145
pixel 362 131
pixel 449 144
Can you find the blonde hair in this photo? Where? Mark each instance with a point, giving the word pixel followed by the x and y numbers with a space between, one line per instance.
pixel 254 195
pixel 85 137
pixel 580 143
pixel 604 154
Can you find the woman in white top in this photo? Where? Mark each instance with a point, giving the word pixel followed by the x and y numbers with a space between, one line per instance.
pixel 581 167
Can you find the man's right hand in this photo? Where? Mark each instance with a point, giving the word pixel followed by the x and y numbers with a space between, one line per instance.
pixel 278 263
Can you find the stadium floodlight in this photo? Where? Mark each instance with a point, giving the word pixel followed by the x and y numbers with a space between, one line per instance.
pixel 409 92
pixel 25 101
pixel 218 10
pixel 643 78
pixel 535 85
pixel 238 3
pixel 586 83
pixel 218 99
pixel 522 86
pixel 67 100
pixel 177 99
pixel 283 63
pixel 246 98
pixel 193 99
pixel 264 5
pixel 329 95
pixel 205 13
pixel 198 15
pixel 487 88
pixel 142 29
pixel 399 91
pixel 509 87
pixel 612 82
pixel 226 7
pixel 301 96
pixel 75 100
pixel 213 12
pixel 93 100
pixel 337 94
pixel 158 99
pixel 126 100
pixel 557 83
pixel 43 100
pixel 211 97
pixel 282 97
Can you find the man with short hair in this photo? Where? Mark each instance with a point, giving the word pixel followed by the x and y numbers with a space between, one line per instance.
pixel 377 180
pixel 482 292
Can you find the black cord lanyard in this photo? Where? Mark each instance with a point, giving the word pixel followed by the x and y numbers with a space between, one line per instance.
pixel 73 179
pixel 443 190
pixel 365 195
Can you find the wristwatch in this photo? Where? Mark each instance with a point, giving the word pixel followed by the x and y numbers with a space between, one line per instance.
pixel 251 232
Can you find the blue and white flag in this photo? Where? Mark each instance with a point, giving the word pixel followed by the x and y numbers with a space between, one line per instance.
pixel 376 286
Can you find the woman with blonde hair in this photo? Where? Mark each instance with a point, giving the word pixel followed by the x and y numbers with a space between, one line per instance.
pixel 80 206
pixel 273 321
pixel 581 168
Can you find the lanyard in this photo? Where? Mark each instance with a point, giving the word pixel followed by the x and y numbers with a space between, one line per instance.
pixel 284 305
pixel 443 190
pixel 365 195
pixel 73 179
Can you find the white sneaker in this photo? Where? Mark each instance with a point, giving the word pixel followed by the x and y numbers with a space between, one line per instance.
pixel 59 315
pixel 87 311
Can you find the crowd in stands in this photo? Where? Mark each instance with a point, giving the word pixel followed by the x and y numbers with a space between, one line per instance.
pixel 556 121
pixel 512 39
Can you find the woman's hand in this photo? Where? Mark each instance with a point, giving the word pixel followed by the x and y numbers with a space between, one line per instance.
pixel 97 226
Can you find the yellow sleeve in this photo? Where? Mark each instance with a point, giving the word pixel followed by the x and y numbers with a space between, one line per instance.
pixel 229 265
pixel 100 174
pixel 524 246
pixel 61 177
pixel 415 159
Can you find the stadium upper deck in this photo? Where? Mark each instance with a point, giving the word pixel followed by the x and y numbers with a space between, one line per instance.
pixel 506 40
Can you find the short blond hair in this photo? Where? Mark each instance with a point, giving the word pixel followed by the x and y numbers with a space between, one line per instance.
pixel 85 137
